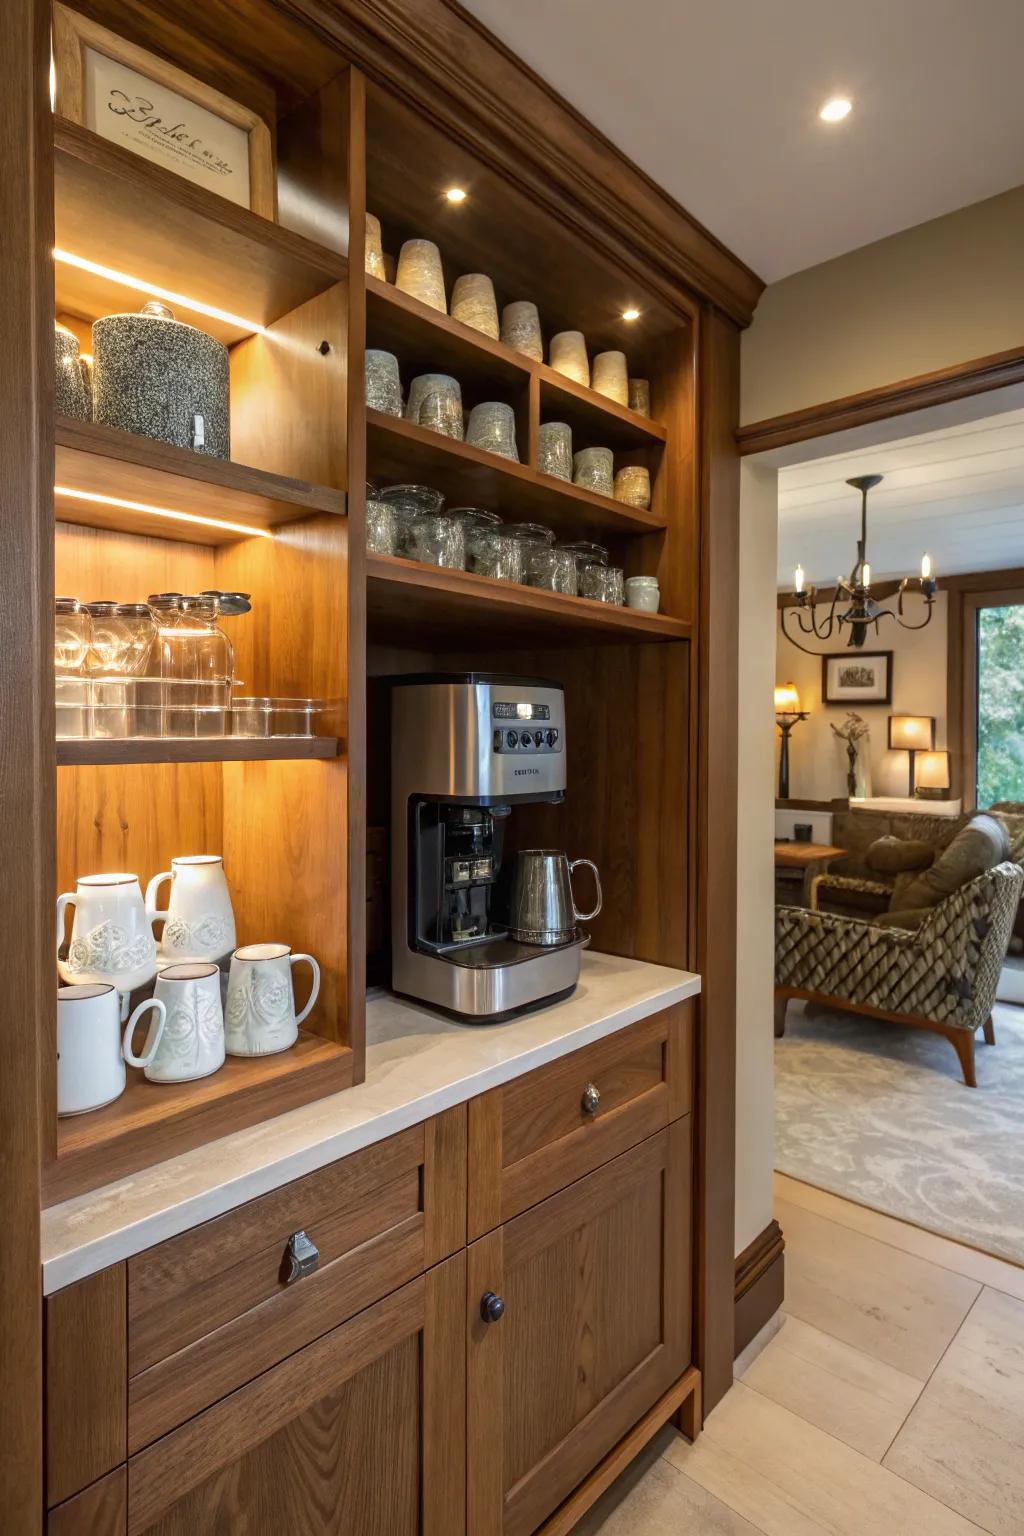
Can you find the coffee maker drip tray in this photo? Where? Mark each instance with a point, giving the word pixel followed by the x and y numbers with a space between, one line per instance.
pixel 500 951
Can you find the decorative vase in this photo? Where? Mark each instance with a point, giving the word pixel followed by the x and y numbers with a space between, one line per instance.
pixel 373 256
pixel 610 377
pixel 473 303
pixel 420 273
pixel 425 384
pixel 554 449
pixel 640 396
pixel 520 328
pixel 383 384
pixel 492 426
pixel 592 467
pixel 633 485
pixel 568 355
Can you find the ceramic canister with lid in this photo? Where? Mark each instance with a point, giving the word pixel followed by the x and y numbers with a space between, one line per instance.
pixel 159 377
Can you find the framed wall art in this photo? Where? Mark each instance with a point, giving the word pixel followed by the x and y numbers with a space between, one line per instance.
pixel 129 96
pixel 857 677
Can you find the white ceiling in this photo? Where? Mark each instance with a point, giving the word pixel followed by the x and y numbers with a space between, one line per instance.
pixel 718 101
pixel 957 494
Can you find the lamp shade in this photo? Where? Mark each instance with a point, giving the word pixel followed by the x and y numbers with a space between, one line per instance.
pixel 787 700
pixel 932 770
pixel 911 733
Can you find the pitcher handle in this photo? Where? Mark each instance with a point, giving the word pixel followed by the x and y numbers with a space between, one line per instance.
pixel 67 899
pixel 156 1030
pixel 585 917
pixel 152 912
pixel 315 993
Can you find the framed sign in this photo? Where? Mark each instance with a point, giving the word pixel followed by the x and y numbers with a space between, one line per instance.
pixel 857 677
pixel 133 98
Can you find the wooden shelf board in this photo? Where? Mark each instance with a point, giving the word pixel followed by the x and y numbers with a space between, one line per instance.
pixel 400 451
pixel 151 1122
pixel 121 212
pixel 426 341
pixel 408 602
pixel 107 462
pixel 222 749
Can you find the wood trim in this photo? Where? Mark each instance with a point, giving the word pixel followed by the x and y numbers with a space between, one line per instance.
pixel 444 1184
pixel 715 665
pixel 678 1397
pixel 447 66
pixel 99 1510
pixel 27 774
pixel 976 377
pixel 86 1382
pixel 760 1283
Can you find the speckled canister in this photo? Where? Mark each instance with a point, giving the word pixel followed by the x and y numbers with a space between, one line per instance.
pixel 156 376
pixel 71 394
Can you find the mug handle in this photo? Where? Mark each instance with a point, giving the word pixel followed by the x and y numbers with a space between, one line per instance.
pixel 585 917
pixel 68 899
pixel 156 1030
pixel 316 986
pixel 153 915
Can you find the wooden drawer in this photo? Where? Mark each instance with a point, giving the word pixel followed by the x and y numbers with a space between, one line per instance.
pixel 210 1310
pixel 535 1135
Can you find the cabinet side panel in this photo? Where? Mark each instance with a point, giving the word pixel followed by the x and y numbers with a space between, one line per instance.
pixel 86 1382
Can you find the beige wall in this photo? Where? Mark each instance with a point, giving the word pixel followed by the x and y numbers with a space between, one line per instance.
pixel 943 293
pixel 755 890
pixel 817 761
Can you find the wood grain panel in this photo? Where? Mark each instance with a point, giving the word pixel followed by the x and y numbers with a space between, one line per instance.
pixel 86 1375
pixel 443 1427
pixel 444 1184
pixel 99 1510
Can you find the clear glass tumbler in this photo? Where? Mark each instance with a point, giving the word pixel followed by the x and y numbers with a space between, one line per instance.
pixel 407 503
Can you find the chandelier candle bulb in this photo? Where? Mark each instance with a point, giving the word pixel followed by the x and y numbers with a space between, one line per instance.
pixel 798 579
pixel 926 567
pixel 866 574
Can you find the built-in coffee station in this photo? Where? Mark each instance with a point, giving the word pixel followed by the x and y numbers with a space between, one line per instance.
pixel 372 818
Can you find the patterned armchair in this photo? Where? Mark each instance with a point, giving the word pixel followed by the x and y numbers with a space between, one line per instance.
pixel 941 976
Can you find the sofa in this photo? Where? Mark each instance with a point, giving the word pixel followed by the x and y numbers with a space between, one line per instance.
pixel 931 959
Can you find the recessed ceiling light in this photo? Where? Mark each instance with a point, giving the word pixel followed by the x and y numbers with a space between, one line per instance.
pixel 836 109
pixel 456 194
pixel 631 314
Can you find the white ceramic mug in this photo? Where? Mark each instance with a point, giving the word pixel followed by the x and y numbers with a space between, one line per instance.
pixel 91 1052
pixel 260 1017
pixel 193 1038
pixel 199 923
pixel 111 937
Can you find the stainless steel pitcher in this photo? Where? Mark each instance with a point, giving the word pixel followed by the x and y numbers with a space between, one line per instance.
pixel 543 907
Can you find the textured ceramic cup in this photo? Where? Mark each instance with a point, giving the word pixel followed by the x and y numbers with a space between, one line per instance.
pixel 640 396
pixel 383 382
pixel 373 256
pixel 111 937
pixel 568 356
pixel 554 449
pixel 441 411
pixel 473 303
pixel 643 593
pixel 610 376
pixel 91 1049
pixel 425 384
pixel 593 468
pixel 192 1044
pixel 633 485
pixel 260 1017
pixel 492 426
pixel 380 525
pixel 420 273
pixel 520 328
pixel 199 923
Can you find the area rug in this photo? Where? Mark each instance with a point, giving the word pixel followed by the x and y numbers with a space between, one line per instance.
pixel 880 1115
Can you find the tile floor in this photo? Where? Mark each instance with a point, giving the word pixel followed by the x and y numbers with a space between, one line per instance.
pixel 890 1401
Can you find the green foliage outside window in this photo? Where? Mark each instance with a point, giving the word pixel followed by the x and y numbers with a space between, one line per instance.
pixel 1000 704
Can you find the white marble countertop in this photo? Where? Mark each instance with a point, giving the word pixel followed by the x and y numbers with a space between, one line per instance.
pixel 417 1064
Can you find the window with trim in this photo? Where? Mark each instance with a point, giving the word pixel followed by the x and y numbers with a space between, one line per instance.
pixel 999 694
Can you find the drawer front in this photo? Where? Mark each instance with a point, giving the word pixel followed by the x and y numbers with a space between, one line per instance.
pixel 533 1136
pixel 211 1309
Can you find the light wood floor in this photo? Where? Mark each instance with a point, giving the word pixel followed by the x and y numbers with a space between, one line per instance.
pixel 889 1402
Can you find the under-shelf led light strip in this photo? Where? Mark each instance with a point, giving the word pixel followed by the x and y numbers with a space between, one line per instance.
pixel 178 517
pixel 179 300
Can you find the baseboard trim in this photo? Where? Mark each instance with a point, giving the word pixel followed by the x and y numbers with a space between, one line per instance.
pixel 760 1285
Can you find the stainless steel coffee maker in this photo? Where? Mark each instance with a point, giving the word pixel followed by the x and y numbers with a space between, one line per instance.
pixel 466 751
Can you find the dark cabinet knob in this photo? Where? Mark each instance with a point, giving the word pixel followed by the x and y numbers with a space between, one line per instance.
pixel 591 1099
pixel 301 1257
pixel 491 1307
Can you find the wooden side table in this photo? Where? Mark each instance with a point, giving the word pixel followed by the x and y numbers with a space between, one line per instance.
pixel 812 858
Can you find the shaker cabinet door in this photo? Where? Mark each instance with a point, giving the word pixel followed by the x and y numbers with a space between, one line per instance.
pixel 359 1434
pixel 579 1318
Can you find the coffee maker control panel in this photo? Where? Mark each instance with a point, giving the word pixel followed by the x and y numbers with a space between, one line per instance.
pixel 528 739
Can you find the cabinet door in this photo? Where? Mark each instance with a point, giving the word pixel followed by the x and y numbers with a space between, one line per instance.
pixel 596 1325
pixel 362 1431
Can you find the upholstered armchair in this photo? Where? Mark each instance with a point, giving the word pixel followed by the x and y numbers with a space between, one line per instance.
pixel 941 976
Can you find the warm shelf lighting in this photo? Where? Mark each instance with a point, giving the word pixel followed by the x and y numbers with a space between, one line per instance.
pixel 176 300
pixel 178 517
pixel 631 314
pixel 456 194
pixel 836 109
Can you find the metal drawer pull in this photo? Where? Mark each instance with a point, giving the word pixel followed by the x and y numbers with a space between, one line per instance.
pixel 491 1307
pixel 591 1099
pixel 301 1257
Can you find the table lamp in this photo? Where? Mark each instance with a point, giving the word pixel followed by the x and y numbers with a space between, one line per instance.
pixel 911 734
pixel 787 713
pixel 932 777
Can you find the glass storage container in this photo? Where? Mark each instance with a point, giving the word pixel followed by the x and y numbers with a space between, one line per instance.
pixel 72 636
pixel 408 502
pixel 586 554
pixel 380 524
pixel 603 583
pixel 527 540
pixel 276 717
pixel 488 546
pixel 643 593
pixel 439 540
pixel 193 668
pixel 111 684
pixel 551 567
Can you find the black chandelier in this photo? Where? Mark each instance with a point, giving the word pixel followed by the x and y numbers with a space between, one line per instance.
pixel 861 611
